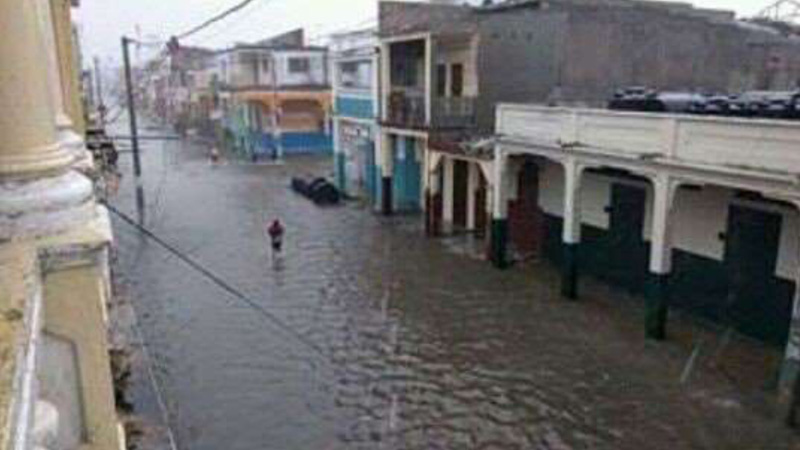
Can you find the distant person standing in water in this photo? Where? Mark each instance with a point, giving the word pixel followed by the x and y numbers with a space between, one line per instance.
pixel 275 232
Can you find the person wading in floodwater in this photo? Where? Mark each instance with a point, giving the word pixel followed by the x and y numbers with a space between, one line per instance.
pixel 275 232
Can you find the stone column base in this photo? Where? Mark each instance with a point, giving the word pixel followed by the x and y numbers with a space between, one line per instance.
pixel 499 243
pixel 656 306
pixel 569 271
pixel 386 199
pixel 31 208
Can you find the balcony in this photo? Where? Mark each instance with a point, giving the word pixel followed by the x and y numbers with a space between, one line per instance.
pixel 768 148
pixel 453 112
pixel 406 109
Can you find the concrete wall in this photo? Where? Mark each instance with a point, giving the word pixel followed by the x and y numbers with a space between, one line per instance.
pixel 607 48
pixel 75 313
pixel 398 18
pixel 517 58
pixel 578 53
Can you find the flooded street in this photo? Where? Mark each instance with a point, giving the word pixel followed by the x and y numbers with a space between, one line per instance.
pixel 397 342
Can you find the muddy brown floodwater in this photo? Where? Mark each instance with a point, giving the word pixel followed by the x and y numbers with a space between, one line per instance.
pixel 414 346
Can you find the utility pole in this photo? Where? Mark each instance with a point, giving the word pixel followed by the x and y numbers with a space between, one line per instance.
pixel 277 133
pixel 98 81
pixel 137 165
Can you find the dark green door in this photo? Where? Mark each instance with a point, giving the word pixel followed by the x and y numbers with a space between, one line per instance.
pixel 751 254
pixel 626 253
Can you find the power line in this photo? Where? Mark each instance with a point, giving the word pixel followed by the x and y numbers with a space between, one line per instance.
pixel 224 285
pixel 215 19
pixel 234 28
pixel 355 27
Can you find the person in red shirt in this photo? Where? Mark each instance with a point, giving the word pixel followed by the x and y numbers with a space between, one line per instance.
pixel 275 232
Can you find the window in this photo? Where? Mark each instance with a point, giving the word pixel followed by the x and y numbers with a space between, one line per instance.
pixel 404 72
pixel 355 74
pixel 441 80
pixel 457 80
pixel 299 65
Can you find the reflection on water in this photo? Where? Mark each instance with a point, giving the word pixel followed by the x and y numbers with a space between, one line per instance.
pixel 421 348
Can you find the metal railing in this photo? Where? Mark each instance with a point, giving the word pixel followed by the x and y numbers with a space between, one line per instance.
pixel 453 112
pixel 406 109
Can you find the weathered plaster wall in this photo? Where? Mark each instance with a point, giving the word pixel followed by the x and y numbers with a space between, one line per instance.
pixel 607 48
pixel 397 18
pixel 60 386
pixel 74 311
pixel 517 58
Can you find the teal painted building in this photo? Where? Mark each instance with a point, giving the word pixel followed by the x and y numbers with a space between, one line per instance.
pixel 407 174
pixel 356 140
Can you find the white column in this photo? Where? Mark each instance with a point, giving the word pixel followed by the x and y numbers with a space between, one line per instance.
pixel 572 228
pixel 472 186
pixel 499 234
pixel 337 146
pixel 387 161
pixel 328 124
pixel 338 156
pixel 428 78
pixel 572 210
pixel 500 189
pixel 46 24
pixel 434 182
pixel 661 241
pixel 39 194
pixel 448 194
pixel 386 80
pixel 376 85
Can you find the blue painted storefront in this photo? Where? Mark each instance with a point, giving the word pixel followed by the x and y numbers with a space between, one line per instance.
pixel 264 144
pixel 248 142
pixel 407 176
pixel 355 107
pixel 361 109
pixel 367 170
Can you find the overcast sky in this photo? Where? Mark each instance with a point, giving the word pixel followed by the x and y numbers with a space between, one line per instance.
pixel 102 22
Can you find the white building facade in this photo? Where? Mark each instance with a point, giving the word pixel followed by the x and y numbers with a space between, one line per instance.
pixel 694 213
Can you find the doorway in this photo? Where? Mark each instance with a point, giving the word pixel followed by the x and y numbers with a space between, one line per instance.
pixel 751 255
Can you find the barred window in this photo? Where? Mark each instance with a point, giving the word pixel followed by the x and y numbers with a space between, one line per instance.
pixel 299 65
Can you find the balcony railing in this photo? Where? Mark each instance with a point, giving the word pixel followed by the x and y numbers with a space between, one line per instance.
pixel 454 112
pixel 406 109
pixel 716 143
